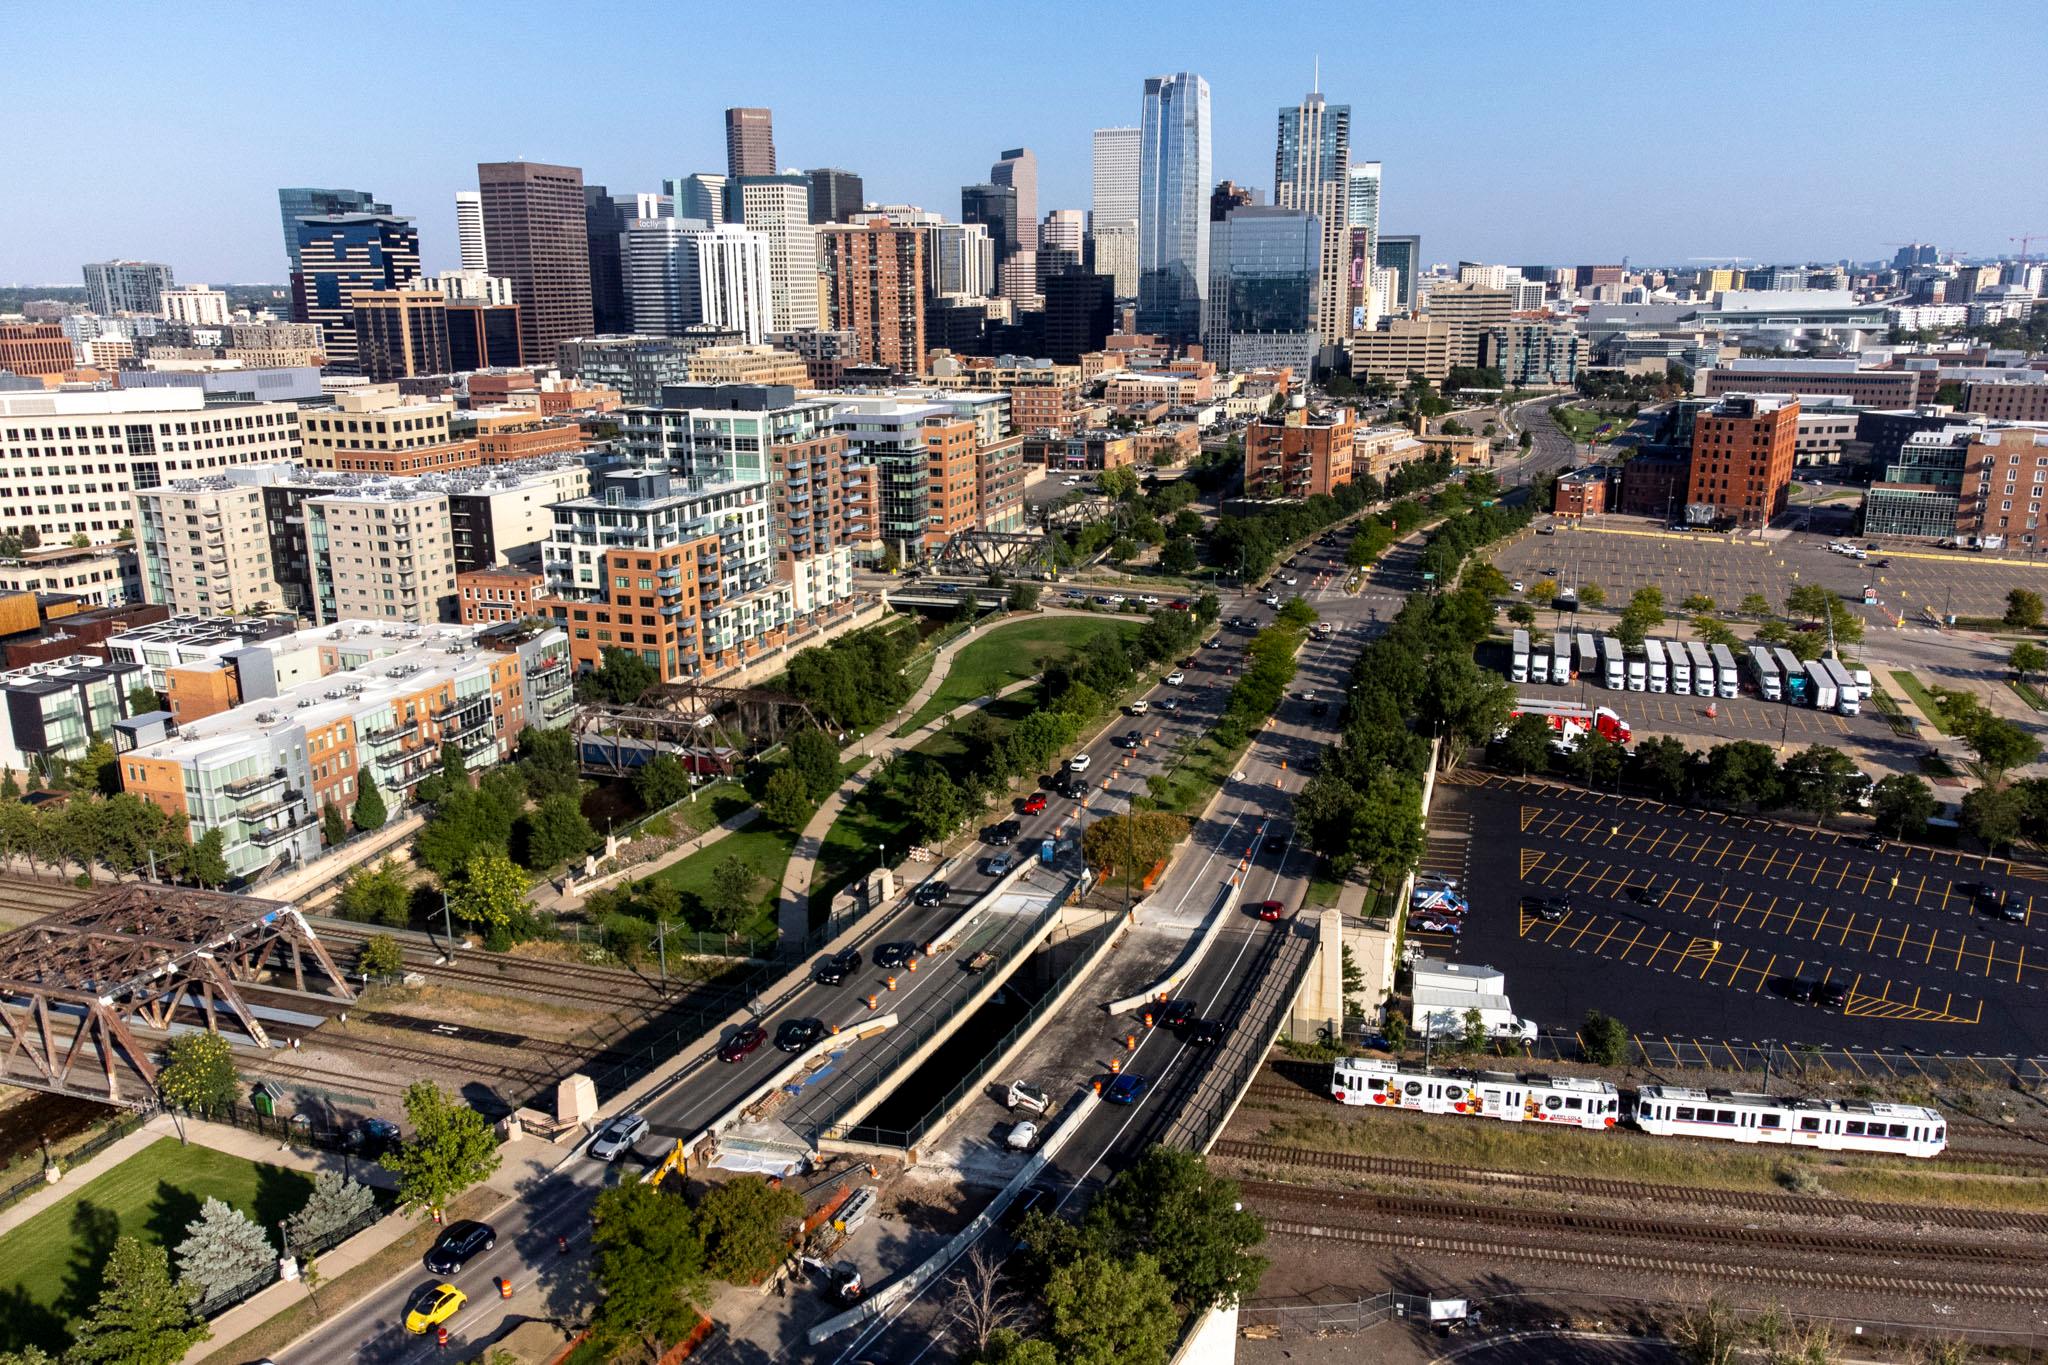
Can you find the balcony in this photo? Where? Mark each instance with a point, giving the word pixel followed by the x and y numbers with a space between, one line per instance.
pixel 247 787
pixel 669 573
pixel 670 590
pixel 558 704
pixel 411 727
pixel 277 834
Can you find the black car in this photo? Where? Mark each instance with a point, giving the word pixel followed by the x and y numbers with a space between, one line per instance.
pixel 372 1138
pixel 897 954
pixel 797 1034
pixel 459 1244
pixel 930 893
pixel 1831 995
pixel 999 836
pixel 1177 1013
pixel 836 968
pixel 1549 909
pixel 1989 900
pixel 1205 1033
pixel 1276 842
pixel 1647 896
pixel 1130 739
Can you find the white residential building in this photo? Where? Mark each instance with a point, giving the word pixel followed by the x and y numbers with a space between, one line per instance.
pixel 779 208
pixel 469 229
pixel 196 304
pixel 471 286
pixel 682 273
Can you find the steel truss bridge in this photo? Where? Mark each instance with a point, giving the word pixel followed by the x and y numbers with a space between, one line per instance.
pixel 710 728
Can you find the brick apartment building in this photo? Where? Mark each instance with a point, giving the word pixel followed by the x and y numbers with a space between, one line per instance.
pixel 1299 453
pixel 1742 453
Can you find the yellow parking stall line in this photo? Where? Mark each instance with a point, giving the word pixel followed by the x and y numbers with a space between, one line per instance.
pixel 2019 968
pixel 1529 813
pixel 1765 974
pixel 1641 929
pixel 1932 940
pixel 1990 956
pixel 1839 876
pixel 1869 879
pixel 1736 970
pixel 1697 888
pixel 1553 929
pixel 1959 952
pixel 1583 931
pixel 1847 925
pixel 1821 926
pixel 1531 857
pixel 1704 1060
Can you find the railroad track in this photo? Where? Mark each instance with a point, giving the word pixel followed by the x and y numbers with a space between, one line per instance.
pixel 575 982
pixel 1626 1191
pixel 420 1056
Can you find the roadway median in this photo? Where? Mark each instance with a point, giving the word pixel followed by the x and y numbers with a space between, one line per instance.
pixel 1190 959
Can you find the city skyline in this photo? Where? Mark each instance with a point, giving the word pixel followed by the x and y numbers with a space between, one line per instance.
pixel 1437 108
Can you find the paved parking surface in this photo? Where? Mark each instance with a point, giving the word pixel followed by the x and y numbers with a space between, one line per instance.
pixel 1734 718
pixel 1726 911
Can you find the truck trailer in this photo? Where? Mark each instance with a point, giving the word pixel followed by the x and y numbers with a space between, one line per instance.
pixel 1660 672
pixel 1820 686
pixel 1518 666
pixel 1724 670
pixel 1612 665
pixel 1764 667
pixel 1848 700
pixel 1795 674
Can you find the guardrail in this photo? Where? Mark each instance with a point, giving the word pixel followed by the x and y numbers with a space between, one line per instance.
pixel 1191 957
pixel 866 1029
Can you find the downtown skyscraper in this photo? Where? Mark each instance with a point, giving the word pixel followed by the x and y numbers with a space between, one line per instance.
pixel 749 142
pixel 1312 174
pixel 537 232
pixel 1173 206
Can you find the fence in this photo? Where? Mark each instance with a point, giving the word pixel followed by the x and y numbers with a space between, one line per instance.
pixel 976 1074
pixel 1314 1319
pixel 84 1151
pixel 1273 985
pixel 212 1305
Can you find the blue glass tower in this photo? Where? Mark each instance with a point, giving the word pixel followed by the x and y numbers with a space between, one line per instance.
pixel 294 204
pixel 1173 206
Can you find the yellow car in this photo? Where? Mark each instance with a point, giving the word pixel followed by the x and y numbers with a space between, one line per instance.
pixel 432 1307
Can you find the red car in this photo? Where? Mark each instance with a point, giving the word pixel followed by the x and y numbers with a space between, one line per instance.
pixel 1034 803
pixel 742 1043
pixel 1269 910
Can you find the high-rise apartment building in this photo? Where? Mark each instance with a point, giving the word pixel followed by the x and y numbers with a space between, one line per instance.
pixel 683 274
pixel 1114 252
pixel 469 230
pixel 1062 244
pixel 34 349
pixel 749 142
pixel 1264 290
pixel 196 306
pixel 1403 256
pixel 1312 174
pixel 995 208
pixel 340 256
pixel 126 286
pixel 779 208
pixel 1116 177
pixel 1362 197
pixel 205 546
pixel 604 225
pixel 305 202
pixel 1477 318
pixel 1080 313
pixel 537 234
pixel 875 278
pixel 401 333
pixel 1298 453
pixel 701 196
pixel 1173 210
pixel 1742 454
pixel 959 261
pixel 836 195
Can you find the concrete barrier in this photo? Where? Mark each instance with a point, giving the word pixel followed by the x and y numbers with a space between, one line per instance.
pixel 869 1028
pixel 941 1260
pixel 1190 959
pixel 973 912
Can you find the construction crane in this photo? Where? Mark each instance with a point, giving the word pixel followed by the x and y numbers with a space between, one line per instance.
pixel 2026 239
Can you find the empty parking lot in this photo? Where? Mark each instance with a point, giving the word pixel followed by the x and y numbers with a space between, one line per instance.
pixel 1706 925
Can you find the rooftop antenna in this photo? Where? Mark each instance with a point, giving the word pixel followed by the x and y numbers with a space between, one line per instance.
pixel 1319 75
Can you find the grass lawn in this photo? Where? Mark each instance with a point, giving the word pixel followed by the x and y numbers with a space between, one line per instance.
pixel 57 1255
pixel 1012 653
pixel 1923 699
pixel 2030 694
pixel 765 847
pixel 1577 422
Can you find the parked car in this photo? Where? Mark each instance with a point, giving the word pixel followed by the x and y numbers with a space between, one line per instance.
pixel 890 956
pixel 619 1135
pixel 458 1245
pixel 836 968
pixel 372 1138
pixel 1831 994
pixel 1437 922
pixel 1023 1136
pixel 797 1034
pixel 1549 909
pixel 742 1043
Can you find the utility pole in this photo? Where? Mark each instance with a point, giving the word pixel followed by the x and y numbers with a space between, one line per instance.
pixel 447 925
pixel 661 950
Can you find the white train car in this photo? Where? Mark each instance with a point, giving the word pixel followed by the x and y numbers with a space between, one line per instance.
pixel 1827 1125
pixel 1501 1095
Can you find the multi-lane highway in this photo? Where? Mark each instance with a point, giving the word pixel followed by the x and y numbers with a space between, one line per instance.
pixel 1253 814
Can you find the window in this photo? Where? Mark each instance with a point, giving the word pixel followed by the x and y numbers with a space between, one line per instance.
pixel 1809 1124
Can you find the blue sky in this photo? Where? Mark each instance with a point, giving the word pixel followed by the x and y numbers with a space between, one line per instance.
pixel 1524 133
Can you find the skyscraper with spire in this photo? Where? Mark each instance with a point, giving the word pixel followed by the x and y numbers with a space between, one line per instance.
pixel 1312 174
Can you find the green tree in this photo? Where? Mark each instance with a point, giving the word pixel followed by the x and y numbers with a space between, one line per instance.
pixel 2022 609
pixel 814 757
pixel 491 890
pixel 207 860
pixel 99 770
pixel 2027 657
pixel 1810 600
pixel 1178 556
pixel 1739 773
pixel 1120 483
pixel 454 767
pixel 141 1318
pixel 451 1149
pixel 1170 1207
pixel 381 955
pixel 380 895
pixel 223 1249
pixel 661 782
pixel 1123 549
pixel 143 699
pixel 199 1072
pixel 1603 1041
pixel 1110 1312
pixel 1024 597
pixel 746 1225
pixel 1697 603
pixel 1596 760
pixel 547 760
pixel 1525 440
pixel 1774 633
pixel 648 1263
pixel 1126 847
pixel 1995 815
pixel 369 812
pixel 622 675
pixel 1817 779
pixel 1754 604
pixel 1527 744
pixel 1543 592
pixel 1592 596
pixel 1006 1346
pixel 735 893
pixel 333 827
pixel 1522 614
pixel 558 832
pixel 1473 1036
pixel 336 1202
pixel 2000 746
pixel 1663 766
pixel 785 801
pixel 1902 804
pixel 937 805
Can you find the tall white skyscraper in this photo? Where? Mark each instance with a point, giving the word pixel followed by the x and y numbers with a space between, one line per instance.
pixel 1312 174
pixel 960 260
pixel 1116 177
pixel 1362 203
pixel 684 272
pixel 779 208
pixel 469 229
pixel 1173 206
pixel 1116 255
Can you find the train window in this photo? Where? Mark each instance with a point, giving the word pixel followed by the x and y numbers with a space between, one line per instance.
pixel 1855 1128
pixel 1684 1113
pixel 1573 1103
pixel 1375 1085
pixel 1413 1087
pixel 1809 1124
pixel 1936 1135
pixel 1769 1121
pixel 1727 1116
pixel 1898 1130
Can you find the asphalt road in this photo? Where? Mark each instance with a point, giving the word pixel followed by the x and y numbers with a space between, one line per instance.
pixel 1228 975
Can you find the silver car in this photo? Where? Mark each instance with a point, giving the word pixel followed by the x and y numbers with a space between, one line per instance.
pixel 618 1137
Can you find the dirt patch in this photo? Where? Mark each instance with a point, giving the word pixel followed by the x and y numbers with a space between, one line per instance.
pixel 473 1009
pixel 930 1202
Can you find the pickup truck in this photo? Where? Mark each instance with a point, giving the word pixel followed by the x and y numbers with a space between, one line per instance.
pixel 981 962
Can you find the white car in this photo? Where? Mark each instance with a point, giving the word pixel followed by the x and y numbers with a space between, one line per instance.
pixel 1149 600
pixel 1140 707
pixel 1176 678
pixel 1116 599
pixel 618 1137
pixel 1293 581
pixel 1271 599
pixel 1023 1136
pixel 1516 585
pixel 1079 763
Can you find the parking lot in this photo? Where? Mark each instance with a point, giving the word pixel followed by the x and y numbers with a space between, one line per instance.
pixel 1664 713
pixel 1623 554
pixel 1706 925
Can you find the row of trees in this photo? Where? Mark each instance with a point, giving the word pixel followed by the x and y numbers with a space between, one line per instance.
pixel 1249 546
pixel 1166 1240
pixel 857 680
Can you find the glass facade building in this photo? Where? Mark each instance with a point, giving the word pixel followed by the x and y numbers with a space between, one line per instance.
pixel 1403 256
pixel 1173 206
pixel 1263 289
pixel 294 204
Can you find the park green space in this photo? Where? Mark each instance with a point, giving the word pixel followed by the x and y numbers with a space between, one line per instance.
pixel 1012 653
pixel 54 1258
